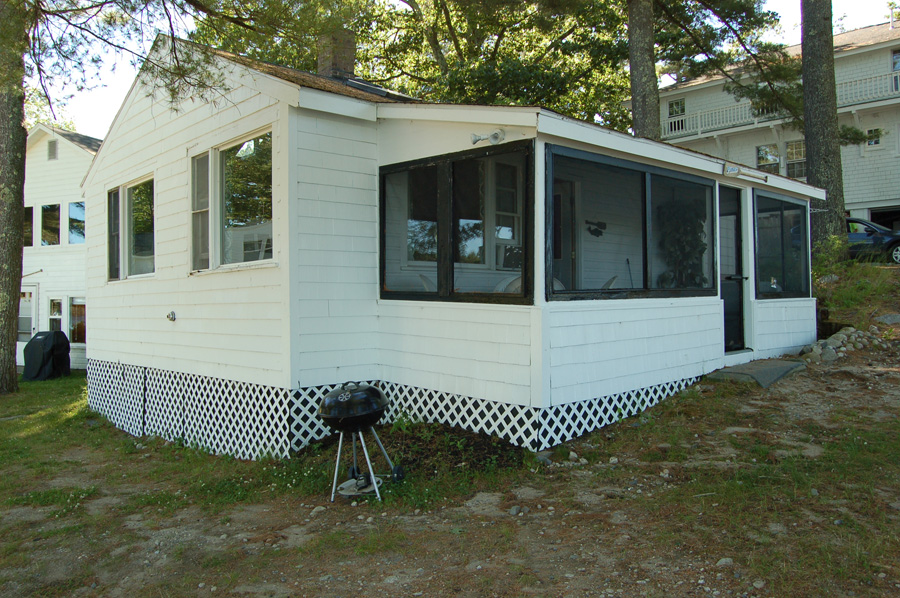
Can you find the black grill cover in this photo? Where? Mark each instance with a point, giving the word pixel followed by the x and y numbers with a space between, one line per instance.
pixel 46 356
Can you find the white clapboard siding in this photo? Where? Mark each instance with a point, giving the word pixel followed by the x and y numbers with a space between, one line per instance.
pixel 478 351
pixel 231 323
pixel 334 264
pixel 606 347
pixel 783 325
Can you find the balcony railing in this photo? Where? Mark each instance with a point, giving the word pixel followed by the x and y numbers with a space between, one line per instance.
pixel 869 89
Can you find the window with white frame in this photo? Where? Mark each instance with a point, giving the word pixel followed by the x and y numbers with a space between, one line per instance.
pixel 28 226
pixel 767 158
pixel 795 157
pixel 50 225
pixel 873 138
pixel 130 230
pixel 55 317
pixel 676 115
pixel 76 222
pixel 231 204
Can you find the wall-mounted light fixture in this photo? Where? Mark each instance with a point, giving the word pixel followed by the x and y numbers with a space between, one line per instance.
pixel 735 170
pixel 494 138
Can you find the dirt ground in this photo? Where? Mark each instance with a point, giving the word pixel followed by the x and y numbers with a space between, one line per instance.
pixel 608 526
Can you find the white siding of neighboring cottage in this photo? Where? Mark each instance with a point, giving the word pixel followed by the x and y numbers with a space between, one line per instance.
pixel 57 270
pixel 231 323
pixel 871 180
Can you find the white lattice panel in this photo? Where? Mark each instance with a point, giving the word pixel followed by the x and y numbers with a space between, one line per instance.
pixel 116 391
pixel 165 404
pixel 565 422
pixel 514 423
pixel 245 420
pixel 305 425
pixel 249 420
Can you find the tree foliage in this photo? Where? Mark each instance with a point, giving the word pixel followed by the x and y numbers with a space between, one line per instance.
pixel 565 55
pixel 38 109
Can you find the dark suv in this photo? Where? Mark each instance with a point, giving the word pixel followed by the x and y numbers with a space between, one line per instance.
pixel 868 240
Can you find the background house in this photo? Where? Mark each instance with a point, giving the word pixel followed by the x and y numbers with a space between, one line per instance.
pixel 53 267
pixel 700 115
pixel 505 269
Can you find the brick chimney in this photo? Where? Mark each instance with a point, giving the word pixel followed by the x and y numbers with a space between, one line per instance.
pixel 337 54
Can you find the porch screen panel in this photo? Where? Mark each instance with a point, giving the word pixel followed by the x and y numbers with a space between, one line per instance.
pixel 681 234
pixel 454 227
pixel 487 224
pixel 411 230
pixel 782 263
pixel 598 226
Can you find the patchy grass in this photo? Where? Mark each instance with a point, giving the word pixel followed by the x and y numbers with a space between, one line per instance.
pixel 716 471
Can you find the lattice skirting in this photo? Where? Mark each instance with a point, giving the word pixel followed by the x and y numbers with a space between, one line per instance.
pixel 249 421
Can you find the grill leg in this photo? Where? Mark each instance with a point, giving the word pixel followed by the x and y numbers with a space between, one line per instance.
pixel 383 452
pixel 337 465
pixel 355 471
pixel 369 463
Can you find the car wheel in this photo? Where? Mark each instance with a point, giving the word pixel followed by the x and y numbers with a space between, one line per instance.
pixel 894 253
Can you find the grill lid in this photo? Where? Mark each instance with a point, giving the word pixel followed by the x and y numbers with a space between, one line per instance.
pixel 352 406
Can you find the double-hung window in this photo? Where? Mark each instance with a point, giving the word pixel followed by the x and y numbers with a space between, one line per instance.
pixel 767 158
pixel 130 230
pixel 795 159
pixel 231 203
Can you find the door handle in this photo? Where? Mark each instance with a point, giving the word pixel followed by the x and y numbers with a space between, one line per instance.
pixel 736 277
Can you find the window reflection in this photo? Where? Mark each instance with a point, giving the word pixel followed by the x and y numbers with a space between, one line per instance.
pixel 484 225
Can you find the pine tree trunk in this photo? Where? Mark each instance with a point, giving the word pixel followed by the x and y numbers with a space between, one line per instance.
pixel 642 64
pixel 823 148
pixel 13 42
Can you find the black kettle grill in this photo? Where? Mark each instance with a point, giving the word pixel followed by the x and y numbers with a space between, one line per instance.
pixel 354 407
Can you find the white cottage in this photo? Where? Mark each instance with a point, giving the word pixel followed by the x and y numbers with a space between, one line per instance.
pixel 505 269
pixel 52 295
